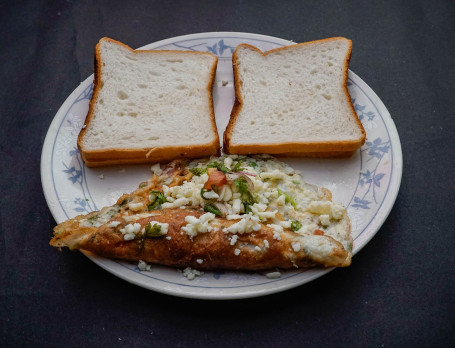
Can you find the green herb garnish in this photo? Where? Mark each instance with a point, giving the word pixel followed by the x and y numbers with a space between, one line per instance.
pixel 246 196
pixel 247 207
pixel 153 231
pixel 295 225
pixel 198 171
pixel 211 209
pixel 220 166
pixel 159 199
pixel 253 164
pixel 287 198
pixel 295 182
pixel 237 167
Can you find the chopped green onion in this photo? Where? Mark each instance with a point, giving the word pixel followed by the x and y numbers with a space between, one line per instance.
pixel 247 207
pixel 295 225
pixel 246 195
pixel 159 199
pixel 198 171
pixel 211 209
pixel 287 198
pixel 295 182
pixel 220 166
pixel 153 231
pixel 241 185
pixel 237 167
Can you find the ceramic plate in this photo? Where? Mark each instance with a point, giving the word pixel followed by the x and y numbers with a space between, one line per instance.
pixel 366 183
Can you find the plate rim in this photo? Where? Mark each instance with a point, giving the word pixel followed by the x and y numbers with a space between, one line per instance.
pixel 395 179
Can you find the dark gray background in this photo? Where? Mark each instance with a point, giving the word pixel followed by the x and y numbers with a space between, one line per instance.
pixel 399 290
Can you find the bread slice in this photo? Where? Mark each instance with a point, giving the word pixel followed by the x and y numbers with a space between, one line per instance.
pixel 294 101
pixel 149 106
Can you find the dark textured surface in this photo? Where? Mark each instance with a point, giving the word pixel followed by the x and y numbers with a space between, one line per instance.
pixel 398 292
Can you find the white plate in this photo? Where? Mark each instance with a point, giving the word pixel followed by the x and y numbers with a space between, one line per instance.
pixel 367 183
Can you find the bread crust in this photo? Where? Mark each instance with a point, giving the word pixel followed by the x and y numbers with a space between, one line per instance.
pixel 303 149
pixel 114 156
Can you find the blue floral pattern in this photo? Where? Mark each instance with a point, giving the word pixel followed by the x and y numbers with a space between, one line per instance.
pixel 374 151
pixel 218 48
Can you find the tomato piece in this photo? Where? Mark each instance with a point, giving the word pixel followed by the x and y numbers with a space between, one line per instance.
pixel 318 232
pixel 216 178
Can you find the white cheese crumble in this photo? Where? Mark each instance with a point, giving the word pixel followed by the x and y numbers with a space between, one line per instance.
pixel 324 219
pixel 199 261
pixel 210 195
pixel 273 275
pixel 236 205
pixel 114 223
pixel 296 246
pixel 286 223
pixel 266 243
pixel 198 225
pixel 260 210
pixel 156 169
pixel 247 224
pixel 132 230
pixel 190 273
pixel 236 252
pixel 234 239
pixel 277 230
pixel 129 231
pixel 334 210
pixel 143 266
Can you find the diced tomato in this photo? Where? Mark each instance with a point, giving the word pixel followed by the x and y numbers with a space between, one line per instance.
pixel 216 178
pixel 318 232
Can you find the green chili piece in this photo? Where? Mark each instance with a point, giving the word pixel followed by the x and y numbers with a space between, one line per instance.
pixel 220 166
pixel 153 231
pixel 211 209
pixel 159 199
pixel 198 171
pixel 287 198
pixel 236 167
pixel 295 225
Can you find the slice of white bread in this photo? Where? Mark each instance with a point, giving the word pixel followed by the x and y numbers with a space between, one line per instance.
pixel 149 106
pixel 293 101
